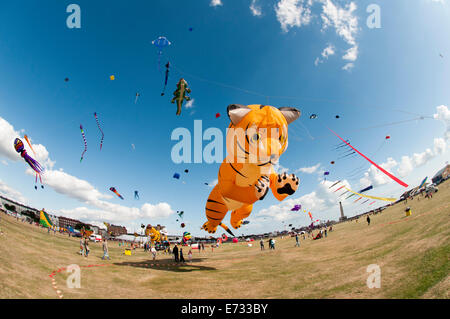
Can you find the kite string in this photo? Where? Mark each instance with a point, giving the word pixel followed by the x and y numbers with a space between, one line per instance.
pixel 421 116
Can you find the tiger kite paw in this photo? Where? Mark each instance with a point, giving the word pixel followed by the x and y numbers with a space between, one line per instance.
pixel 285 185
pixel 210 227
pixel 236 223
pixel 262 187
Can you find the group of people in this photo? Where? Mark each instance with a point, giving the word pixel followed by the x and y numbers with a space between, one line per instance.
pixel 85 250
pixel 271 242
pixel 178 254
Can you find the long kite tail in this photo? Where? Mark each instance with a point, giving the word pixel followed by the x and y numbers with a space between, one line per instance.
pixel 103 135
pixel 85 143
pixel 28 141
pixel 32 162
pixel 372 162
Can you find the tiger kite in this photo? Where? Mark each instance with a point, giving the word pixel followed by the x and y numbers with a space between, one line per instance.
pixel 256 138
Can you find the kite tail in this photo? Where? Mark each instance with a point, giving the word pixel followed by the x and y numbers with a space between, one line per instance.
pixel 103 135
pixel 26 139
pixel 85 143
pixel 227 229
pixel 32 162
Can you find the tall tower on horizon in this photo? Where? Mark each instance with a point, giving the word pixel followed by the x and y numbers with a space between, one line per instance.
pixel 343 217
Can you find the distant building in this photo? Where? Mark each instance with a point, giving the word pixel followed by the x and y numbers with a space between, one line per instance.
pixel 441 175
pixel 117 230
pixel 65 222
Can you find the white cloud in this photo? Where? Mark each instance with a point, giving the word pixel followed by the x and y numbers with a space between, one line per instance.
pixel 443 114
pixel 351 54
pixel 215 3
pixel 11 193
pixel 308 170
pixel 255 8
pixel 328 51
pixel 348 66
pixel 7 137
pixel 293 13
pixel 189 104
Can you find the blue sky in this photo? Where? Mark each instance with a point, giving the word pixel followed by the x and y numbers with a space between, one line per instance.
pixel 394 73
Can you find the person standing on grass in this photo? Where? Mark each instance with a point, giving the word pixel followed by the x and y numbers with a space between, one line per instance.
pixel 261 243
pixel 181 256
pixel 368 220
pixel 154 253
pixel 81 247
pixel 105 249
pixel 190 255
pixel 86 246
pixel 175 252
pixel 297 244
pixel 325 231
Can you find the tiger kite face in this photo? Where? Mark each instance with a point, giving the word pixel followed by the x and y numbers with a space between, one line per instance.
pixel 258 134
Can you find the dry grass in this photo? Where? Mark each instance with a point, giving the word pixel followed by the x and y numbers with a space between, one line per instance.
pixel 413 254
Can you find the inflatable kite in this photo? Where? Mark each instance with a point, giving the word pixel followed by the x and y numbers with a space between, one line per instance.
pixel 136 194
pixel 113 189
pixel 180 214
pixel 296 208
pixel 217 115
pixel 176 175
pixel 179 95
pixel 373 163
pixel 45 220
pixel 182 225
pixel 19 147
pixel 85 143
pixel 101 131
pixel 153 233
pixel 112 77
pixel 235 240
pixel 423 182
pixel 186 237
pixel 242 183
pixel 224 237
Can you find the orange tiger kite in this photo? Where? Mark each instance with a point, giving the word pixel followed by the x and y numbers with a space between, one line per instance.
pixel 256 138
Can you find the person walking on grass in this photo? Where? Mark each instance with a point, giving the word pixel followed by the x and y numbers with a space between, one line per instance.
pixel 81 247
pixel 368 220
pixel 105 249
pixel 297 244
pixel 261 243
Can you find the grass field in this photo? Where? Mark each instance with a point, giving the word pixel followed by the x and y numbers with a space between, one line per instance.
pixel 412 252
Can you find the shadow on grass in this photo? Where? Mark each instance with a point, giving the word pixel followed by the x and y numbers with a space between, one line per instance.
pixel 168 265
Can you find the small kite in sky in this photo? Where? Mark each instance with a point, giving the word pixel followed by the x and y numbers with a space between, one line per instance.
pixel 312 116
pixel 186 171
pixel 176 175
pixel 101 131
pixel 19 147
pixel 113 189
pixel 296 208
pixel 136 194
pixel 66 79
pixel 245 222
pixel 388 137
pixel 166 78
pixel 85 143
pixel 179 95
pixel 332 162
pixel 137 96
pixel 134 147
pixel 191 29
pixel 441 55
pixel 112 77
pixel 337 116
pixel 160 44
pixel 180 214
pixel 363 190
pixel 217 115
pixel 373 163
pixel 182 225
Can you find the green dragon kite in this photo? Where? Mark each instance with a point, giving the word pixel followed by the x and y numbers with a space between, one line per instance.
pixel 180 94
